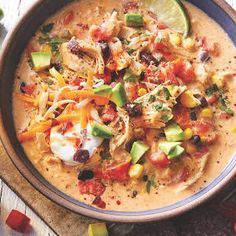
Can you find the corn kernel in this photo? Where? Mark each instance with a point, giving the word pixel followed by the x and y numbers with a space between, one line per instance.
pixel 46 48
pixel 233 130
pixel 188 133
pixel 45 87
pixel 188 100
pixel 136 171
pixel 206 113
pixel 141 92
pixel 218 80
pixel 175 39
pixel 189 43
pixel 143 190
pixel 190 148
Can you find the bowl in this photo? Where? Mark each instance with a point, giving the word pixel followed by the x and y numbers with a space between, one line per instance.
pixel 14 45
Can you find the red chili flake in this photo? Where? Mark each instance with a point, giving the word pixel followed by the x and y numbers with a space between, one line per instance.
pixel 118 202
pixel 29 89
pixel 99 202
pixel 65 126
pixel 18 221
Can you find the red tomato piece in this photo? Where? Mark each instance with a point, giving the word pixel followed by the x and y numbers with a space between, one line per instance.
pixel 184 70
pixel 106 77
pixel 18 221
pixel 212 99
pixel 118 172
pixel 30 48
pixel 108 114
pixel 93 186
pixel 68 17
pixel 99 33
pixel 77 82
pixel 29 89
pixel 159 159
pixel 99 202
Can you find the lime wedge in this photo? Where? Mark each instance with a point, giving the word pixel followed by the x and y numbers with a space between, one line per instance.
pixel 170 12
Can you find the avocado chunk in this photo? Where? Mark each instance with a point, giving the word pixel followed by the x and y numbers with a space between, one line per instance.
pixel 97 229
pixel 130 77
pixel 41 60
pixel 138 150
pixel 168 147
pixel 103 90
pixel 118 95
pixel 99 130
pixel 178 151
pixel 134 20
pixel 174 133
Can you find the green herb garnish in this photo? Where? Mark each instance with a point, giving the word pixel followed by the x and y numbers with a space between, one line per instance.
pixel 167 94
pixel 159 107
pixel 150 183
pixel 148 186
pixel 165 118
pixel 223 104
pixel 130 51
pixel 124 41
pixel 151 99
pixel 30 62
pixel 158 40
pixel 47 28
pixel 211 89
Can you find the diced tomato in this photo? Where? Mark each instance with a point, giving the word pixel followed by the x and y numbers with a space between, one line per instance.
pixel 93 186
pixel 106 77
pixel 99 33
pixel 152 75
pixel 68 17
pixel 159 159
pixel 30 48
pixel 109 114
pixel 224 116
pixel 212 99
pixel 117 172
pixel 18 221
pixel 182 117
pixel 29 89
pixel 77 82
pixel 99 202
pixel 159 46
pixel 184 70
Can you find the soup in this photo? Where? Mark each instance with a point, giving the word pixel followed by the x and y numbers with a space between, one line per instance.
pixel 119 111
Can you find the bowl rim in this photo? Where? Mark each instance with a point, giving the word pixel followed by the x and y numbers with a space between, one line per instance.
pixel 50 194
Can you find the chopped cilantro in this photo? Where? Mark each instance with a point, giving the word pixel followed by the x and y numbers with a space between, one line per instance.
pixel 150 183
pixel 159 107
pixel 153 182
pixel 47 28
pixel 148 186
pixel 130 51
pixel 158 40
pixel 167 94
pixel 151 99
pixel 223 102
pixel 212 89
pixel 124 41
pixel 49 81
pixel 30 62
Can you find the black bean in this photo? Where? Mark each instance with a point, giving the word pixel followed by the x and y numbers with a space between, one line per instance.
pixel 105 50
pixel 134 193
pixel 142 76
pixel 193 115
pixel 22 85
pixel 202 99
pixel 148 58
pixel 145 178
pixel 196 139
pixel 81 156
pixel 114 76
pixel 85 174
pixel 162 135
pixel 204 56
pixel 133 109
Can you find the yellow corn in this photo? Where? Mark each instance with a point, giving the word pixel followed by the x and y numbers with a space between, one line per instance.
pixel 218 80
pixel 206 113
pixel 233 130
pixel 190 148
pixel 46 48
pixel 189 43
pixel 143 190
pixel 141 92
pixel 188 100
pixel 45 87
pixel 136 171
pixel 55 74
pixel 188 133
pixel 175 39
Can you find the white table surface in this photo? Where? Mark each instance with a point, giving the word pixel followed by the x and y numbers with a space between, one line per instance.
pixel 13 9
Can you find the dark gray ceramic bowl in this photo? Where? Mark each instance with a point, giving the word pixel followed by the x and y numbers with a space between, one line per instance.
pixel 15 43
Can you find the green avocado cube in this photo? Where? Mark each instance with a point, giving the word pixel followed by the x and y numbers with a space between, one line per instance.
pixel 130 77
pixel 41 60
pixel 168 147
pixel 103 90
pixel 134 20
pixel 102 131
pixel 176 152
pixel 97 229
pixel 138 150
pixel 118 95
pixel 174 133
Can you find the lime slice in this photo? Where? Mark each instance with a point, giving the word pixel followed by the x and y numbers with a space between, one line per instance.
pixel 170 12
